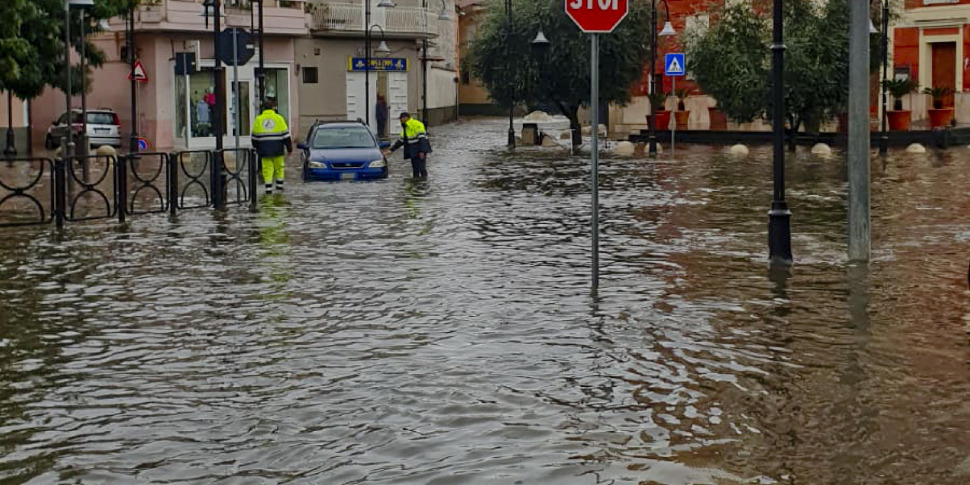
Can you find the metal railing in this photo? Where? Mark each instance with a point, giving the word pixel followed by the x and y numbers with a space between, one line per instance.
pixel 349 17
pixel 38 191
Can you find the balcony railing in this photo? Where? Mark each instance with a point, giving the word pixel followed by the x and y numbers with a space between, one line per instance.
pixel 281 16
pixel 348 18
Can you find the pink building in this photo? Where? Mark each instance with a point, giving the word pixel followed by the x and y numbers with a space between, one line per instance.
pixel 173 108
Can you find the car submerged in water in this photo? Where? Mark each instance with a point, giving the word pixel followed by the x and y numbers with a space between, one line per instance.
pixel 342 150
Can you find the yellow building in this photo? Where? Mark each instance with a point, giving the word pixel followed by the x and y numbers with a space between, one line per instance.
pixel 473 98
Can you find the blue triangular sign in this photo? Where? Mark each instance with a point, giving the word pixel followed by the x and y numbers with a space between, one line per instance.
pixel 674 65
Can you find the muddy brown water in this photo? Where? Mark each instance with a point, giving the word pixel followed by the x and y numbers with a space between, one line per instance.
pixel 442 332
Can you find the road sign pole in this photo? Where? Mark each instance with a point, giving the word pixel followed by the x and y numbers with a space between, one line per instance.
pixel 673 132
pixel 595 105
pixel 235 84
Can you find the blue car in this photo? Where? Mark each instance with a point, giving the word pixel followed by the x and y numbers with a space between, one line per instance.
pixel 342 150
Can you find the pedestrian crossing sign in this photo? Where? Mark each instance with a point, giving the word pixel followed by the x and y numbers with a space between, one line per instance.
pixel 674 65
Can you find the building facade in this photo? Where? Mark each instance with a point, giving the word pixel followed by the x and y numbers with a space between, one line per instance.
pixel 309 46
pixel 419 74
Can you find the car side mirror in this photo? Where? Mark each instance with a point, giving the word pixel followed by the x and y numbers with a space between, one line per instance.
pixel 301 146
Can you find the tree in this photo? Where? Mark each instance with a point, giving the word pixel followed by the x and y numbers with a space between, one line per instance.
pixel 502 58
pixel 731 61
pixel 32 51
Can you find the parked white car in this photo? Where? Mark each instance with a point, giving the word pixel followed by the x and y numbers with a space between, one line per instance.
pixel 104 128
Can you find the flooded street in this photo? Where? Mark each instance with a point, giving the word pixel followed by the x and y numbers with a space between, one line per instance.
pixel 442 332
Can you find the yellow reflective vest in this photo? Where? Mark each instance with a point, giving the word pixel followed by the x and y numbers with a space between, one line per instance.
pixel 271 136
pixel 414 139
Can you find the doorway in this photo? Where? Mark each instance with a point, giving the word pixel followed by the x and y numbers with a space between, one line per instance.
pixel 945 69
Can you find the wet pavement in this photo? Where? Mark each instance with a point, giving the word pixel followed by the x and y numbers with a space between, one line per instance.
pixel 442 331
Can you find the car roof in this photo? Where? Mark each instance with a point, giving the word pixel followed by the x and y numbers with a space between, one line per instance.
pixel 341 124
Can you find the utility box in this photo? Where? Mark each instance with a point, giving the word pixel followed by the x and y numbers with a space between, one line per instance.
pixel 530 134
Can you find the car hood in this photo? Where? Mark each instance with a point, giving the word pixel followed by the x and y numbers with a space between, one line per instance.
pixel 345 155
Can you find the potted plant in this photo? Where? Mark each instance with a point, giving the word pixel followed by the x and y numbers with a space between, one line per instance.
pixel 939 116
pixel 682 115
pixel 661 118
pixel 899 119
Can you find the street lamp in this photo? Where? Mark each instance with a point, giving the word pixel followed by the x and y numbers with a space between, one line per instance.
pixel 381 49
pixel 69 147
pixel 667 31
pixel 779 218
pixel 261 73
pixel 508 70
pixel 884 135
pixel 10 151
pixel 214 8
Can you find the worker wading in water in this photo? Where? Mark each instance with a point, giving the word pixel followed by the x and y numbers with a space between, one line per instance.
pixel 271 139
pixel 414 139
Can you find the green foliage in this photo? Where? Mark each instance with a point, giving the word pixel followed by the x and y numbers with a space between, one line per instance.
pixel 32 51
pixel 729 62
pixel 900 87
pixel 658 98
pixel 938 92
pixel 732 61
pixel 503 57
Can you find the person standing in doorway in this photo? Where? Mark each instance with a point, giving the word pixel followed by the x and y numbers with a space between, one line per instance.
pixel 271 139
pixel 382 112
pixel 414 139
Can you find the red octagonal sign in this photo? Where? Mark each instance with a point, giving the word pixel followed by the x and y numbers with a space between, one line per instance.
pixel 597 16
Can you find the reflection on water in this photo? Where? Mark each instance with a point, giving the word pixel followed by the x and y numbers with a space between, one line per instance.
pixel 442 332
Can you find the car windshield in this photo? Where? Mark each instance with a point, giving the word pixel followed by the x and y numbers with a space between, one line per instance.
pixel 342 137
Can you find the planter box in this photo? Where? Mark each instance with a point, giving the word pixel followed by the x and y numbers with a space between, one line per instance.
pixel 940 117
pixel 899 120
pixel 718 119
pixel 682 119
pixel 662 120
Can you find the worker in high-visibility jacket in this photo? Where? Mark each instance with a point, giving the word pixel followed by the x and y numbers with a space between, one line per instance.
pixel 414 139
pixel 271 139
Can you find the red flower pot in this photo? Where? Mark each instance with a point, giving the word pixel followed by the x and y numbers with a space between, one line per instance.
pixel 940 117
pixel 899 120
pixel 718 119
pixel 682 117
pixel 662 120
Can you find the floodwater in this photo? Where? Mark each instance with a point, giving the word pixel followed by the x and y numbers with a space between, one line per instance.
pixel 443 332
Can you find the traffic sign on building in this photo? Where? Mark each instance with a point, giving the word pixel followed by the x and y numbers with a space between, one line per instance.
pixel 138 73
pixel 597 16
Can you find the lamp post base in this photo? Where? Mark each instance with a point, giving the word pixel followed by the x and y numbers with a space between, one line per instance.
pixel 779 234
pixel 11 150
pixel 652 150
pixel 884 144
pixel 511 138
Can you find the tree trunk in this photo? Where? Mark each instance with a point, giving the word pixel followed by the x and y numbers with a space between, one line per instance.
pixel 575 127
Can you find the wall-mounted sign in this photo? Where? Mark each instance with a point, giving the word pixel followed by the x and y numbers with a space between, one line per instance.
pixel 392 64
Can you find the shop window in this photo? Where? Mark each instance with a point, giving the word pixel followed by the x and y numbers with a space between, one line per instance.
pixel 202 102
pixel 310 75
pixel 278 88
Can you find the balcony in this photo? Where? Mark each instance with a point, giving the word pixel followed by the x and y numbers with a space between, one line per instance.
pixel 281 17
pixel 347 20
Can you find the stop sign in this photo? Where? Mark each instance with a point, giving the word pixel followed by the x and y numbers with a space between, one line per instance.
pixel 597 16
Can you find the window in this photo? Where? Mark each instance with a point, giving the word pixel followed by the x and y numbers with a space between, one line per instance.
pixel 278 89
pixel 310 75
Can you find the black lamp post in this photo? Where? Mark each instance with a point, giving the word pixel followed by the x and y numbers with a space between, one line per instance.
pixel 884 136
pixel 214 7
pixel 508 70
pixel 668 30
pixel 132 58
pixel 10 151
pixel 380 49
pixel 261 73
pixel 779 218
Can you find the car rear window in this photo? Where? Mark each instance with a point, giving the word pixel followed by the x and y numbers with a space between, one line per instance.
pixel 97 118
pixel 342 137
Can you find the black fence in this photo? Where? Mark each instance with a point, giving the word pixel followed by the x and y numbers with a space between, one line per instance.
pixel 38 191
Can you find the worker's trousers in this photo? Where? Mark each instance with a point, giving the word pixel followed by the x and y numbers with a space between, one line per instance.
pixel 273 169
